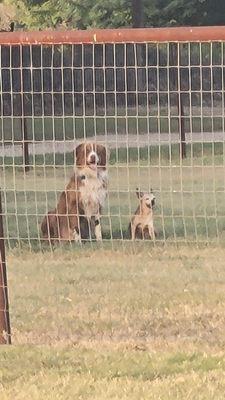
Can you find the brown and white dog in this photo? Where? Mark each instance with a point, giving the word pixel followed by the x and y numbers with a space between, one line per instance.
pixel 77 214
pixel 141 225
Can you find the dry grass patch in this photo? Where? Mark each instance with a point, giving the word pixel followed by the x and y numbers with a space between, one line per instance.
pixel 140 323
pixel 141 295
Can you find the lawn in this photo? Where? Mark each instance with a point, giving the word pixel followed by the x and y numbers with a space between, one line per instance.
pixel 135 323
pixel 131 120
pixel 118 320
pixel 190 204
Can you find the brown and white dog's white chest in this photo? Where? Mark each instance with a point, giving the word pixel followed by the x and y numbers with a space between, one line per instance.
pixel 93 192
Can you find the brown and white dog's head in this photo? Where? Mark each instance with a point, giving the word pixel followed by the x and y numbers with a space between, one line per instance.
pixel 91 155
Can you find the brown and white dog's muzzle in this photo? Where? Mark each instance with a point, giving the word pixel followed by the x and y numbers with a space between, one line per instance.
pixel 93 160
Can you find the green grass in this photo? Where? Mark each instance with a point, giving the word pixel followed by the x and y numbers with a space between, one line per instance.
pixel 125 374
pixel 189 194
pixel 138 323
pixel 68 128
pixel 197 154
pixel 50 128
pixel 105 295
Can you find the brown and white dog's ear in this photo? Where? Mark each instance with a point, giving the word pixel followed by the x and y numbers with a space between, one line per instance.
pixel 80 154
pixel 101 152
pixel 139 193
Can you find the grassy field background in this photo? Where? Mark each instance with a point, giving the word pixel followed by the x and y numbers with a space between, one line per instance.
pixel 142 323
pixel 131 120
pixel 119 320
pixel 190 202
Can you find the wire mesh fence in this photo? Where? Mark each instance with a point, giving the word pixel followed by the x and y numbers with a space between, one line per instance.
pixel 157 107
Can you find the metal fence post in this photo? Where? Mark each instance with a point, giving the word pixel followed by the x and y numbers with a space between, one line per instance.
pixel 176 78
pixel 25 145
pixel 5 331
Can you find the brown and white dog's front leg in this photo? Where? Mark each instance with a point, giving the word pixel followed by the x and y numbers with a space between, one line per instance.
pixel 76 236
pixel 98 230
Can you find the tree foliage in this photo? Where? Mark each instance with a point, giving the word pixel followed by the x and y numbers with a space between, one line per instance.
pixel 80 14
pixel 186 12
pixel 83 14
pixel 7 14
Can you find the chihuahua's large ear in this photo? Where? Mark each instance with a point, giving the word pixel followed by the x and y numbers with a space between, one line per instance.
pixel 139 193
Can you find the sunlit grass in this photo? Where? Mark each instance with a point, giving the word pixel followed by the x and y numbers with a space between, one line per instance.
pixel 138 323
pixel 135 293
pixel 189 195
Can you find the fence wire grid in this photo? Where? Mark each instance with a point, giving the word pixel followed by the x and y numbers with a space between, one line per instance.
pixel 157 107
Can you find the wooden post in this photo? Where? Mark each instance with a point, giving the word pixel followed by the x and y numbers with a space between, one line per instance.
pixel 5 331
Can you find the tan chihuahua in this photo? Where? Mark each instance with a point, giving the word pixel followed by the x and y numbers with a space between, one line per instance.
pixel 142 221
